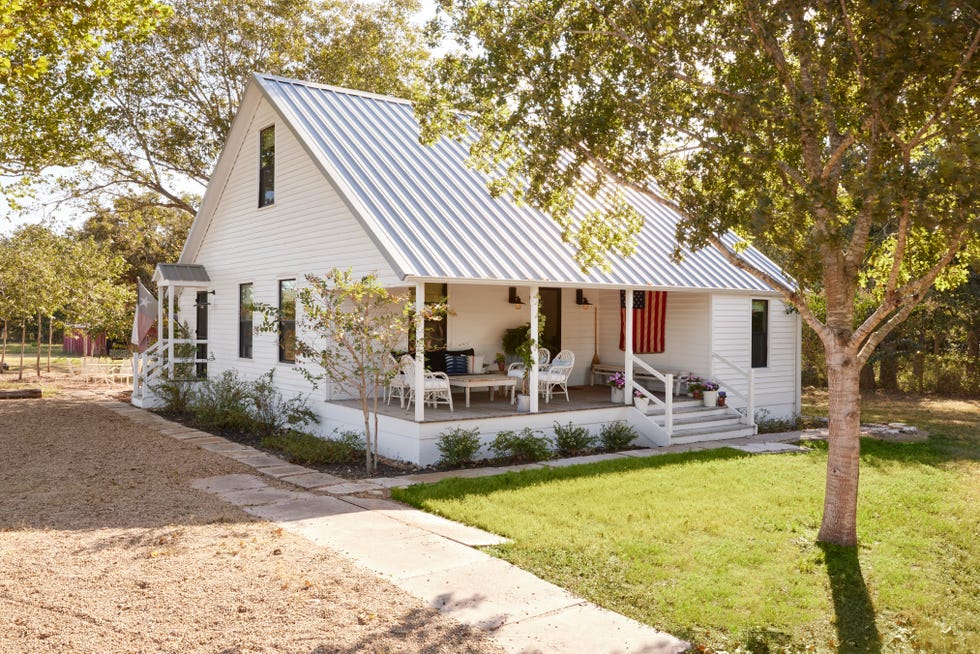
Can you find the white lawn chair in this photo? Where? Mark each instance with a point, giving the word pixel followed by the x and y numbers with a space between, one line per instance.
pixel 398 384
pixel 556 375
pixel 435 389
pixel 516 369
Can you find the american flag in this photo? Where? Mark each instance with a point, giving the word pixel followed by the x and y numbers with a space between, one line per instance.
pixel 649 318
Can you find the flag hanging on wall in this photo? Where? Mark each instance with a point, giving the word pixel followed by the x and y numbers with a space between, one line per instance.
pixel 649 318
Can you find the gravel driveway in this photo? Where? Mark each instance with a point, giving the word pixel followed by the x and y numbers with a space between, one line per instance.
pixel 104 547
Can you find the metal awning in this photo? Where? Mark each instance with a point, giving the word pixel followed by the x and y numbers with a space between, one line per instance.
pixel 181 274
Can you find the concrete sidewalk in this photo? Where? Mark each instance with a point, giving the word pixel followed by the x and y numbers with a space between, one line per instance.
pixel 430 557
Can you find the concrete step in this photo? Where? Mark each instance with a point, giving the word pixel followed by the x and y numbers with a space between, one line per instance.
pixel 707 425
pixel 691 413
pixel 724 433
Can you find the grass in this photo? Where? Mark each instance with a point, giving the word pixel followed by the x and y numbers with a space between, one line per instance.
pixel 719 547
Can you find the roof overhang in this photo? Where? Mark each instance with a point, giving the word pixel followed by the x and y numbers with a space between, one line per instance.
pixel 181 274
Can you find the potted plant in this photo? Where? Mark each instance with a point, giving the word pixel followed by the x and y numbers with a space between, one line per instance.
pixel 500 360
pixel 617 382
pixel 709 389
pixel 722 396
pixel 641 401
pixel 695 388
pixel 525 350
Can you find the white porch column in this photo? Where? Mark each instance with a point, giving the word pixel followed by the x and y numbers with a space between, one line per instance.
pixel 533 379
pixel 628 346
pixel 159 315
pixel 419 352
pixel 170 329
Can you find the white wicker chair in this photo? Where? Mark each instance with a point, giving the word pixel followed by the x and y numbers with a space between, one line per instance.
pixel 556 375
pixel 435 385
pixel 398 384
pixel 516 369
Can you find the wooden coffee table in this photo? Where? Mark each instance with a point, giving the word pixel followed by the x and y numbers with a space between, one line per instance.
pixel 491 381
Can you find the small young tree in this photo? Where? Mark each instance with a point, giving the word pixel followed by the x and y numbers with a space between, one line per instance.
pixel 347 328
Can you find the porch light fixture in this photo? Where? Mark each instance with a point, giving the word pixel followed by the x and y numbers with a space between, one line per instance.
pixel 581 300
pixel 514 298
pixel 208 303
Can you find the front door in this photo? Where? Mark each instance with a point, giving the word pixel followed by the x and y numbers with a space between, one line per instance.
pixel 202 333
pixel 551 310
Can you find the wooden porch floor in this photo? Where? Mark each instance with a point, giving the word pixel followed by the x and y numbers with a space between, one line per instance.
pixel 581 398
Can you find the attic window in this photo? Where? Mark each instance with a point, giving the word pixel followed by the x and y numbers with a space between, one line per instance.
pixel 267 166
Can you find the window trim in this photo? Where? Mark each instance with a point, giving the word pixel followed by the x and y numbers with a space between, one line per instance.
pixel 281 323
pixel 272 202
pixel 764 342
pixel 251 322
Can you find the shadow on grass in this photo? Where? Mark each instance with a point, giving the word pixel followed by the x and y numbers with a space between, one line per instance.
pixel 857 632
pixel 460 487
pixel 936 452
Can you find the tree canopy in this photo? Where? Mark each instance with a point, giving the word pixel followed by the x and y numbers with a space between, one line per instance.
pixel 840 137
pixel 54 63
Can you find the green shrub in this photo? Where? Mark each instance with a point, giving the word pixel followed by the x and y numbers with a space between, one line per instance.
pixel 768 425
pixel 458 446
pixel 271 412
pixel 307 449
pixel 222 403
pixel 176 394
pixel 529 445
pixel 571 439
pixel 617 435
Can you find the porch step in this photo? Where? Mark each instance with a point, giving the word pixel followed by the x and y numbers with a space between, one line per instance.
pixel 688 413
pixel 686 426
pixel 724 433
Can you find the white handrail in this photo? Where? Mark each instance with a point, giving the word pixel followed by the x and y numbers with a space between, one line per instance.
pixel 668 401
pixel 749 396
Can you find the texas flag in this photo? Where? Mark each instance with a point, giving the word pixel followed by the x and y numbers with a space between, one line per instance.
pixel 146 315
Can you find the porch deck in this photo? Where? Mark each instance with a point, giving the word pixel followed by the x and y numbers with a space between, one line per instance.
pixel 582 398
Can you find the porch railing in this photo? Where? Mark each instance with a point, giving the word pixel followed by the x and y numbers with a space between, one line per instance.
pixel 732 388
pixel 148 366
pixel 667 403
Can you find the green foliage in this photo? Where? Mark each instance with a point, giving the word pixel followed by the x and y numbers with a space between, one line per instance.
pixel 54 62
pixel 458 446
pixel 616 436
pixel 306 449
pixel 230 402
pixel 177 395
pixel 571 439
pixel 513 338
pixel 770 425
pixel 528 445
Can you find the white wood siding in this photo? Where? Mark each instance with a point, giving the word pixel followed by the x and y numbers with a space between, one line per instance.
pixel 776 385
pixel 309 229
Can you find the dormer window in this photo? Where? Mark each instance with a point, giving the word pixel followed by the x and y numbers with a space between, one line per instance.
pixel 267 166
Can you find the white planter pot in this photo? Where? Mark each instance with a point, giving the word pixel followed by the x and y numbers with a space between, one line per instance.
pixel 641 403
pixel 710 398
pixel 523 403
pixel 618 395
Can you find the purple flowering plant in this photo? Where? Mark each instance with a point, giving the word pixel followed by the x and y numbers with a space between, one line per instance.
pixel 617 380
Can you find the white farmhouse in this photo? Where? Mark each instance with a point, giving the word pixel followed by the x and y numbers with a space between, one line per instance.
pixel 315 177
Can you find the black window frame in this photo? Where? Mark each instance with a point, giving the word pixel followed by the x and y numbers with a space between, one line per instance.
pixel 760 334
pixel 267 167
pixel 245 326
pixel 287 323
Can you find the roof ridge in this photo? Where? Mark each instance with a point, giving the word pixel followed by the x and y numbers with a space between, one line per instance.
pixel 335 89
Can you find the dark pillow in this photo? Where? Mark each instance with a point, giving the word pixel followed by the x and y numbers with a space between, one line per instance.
pixel 456 364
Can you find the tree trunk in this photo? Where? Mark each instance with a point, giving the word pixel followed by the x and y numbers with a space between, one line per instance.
pixel 23 346
pixel 888 371
pixel 839 525
pixel 919 363
pixel 3 351
pixel 868 377
pixel 972 342
pixel 37 356
pixel 50 338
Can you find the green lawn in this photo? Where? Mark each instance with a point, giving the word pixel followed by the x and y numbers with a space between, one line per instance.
pixel 718 547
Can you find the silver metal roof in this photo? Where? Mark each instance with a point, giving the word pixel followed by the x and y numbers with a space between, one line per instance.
pixel 437 219
pixel 181 274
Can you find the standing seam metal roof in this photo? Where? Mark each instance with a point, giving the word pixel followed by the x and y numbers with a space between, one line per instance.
pixel 443 222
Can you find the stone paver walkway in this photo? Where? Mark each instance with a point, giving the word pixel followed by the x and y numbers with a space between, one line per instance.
pixel 431 557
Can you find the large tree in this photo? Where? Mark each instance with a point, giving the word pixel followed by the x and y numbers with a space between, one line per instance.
pixel 54 63
pixel 179 89
pixel 842 137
